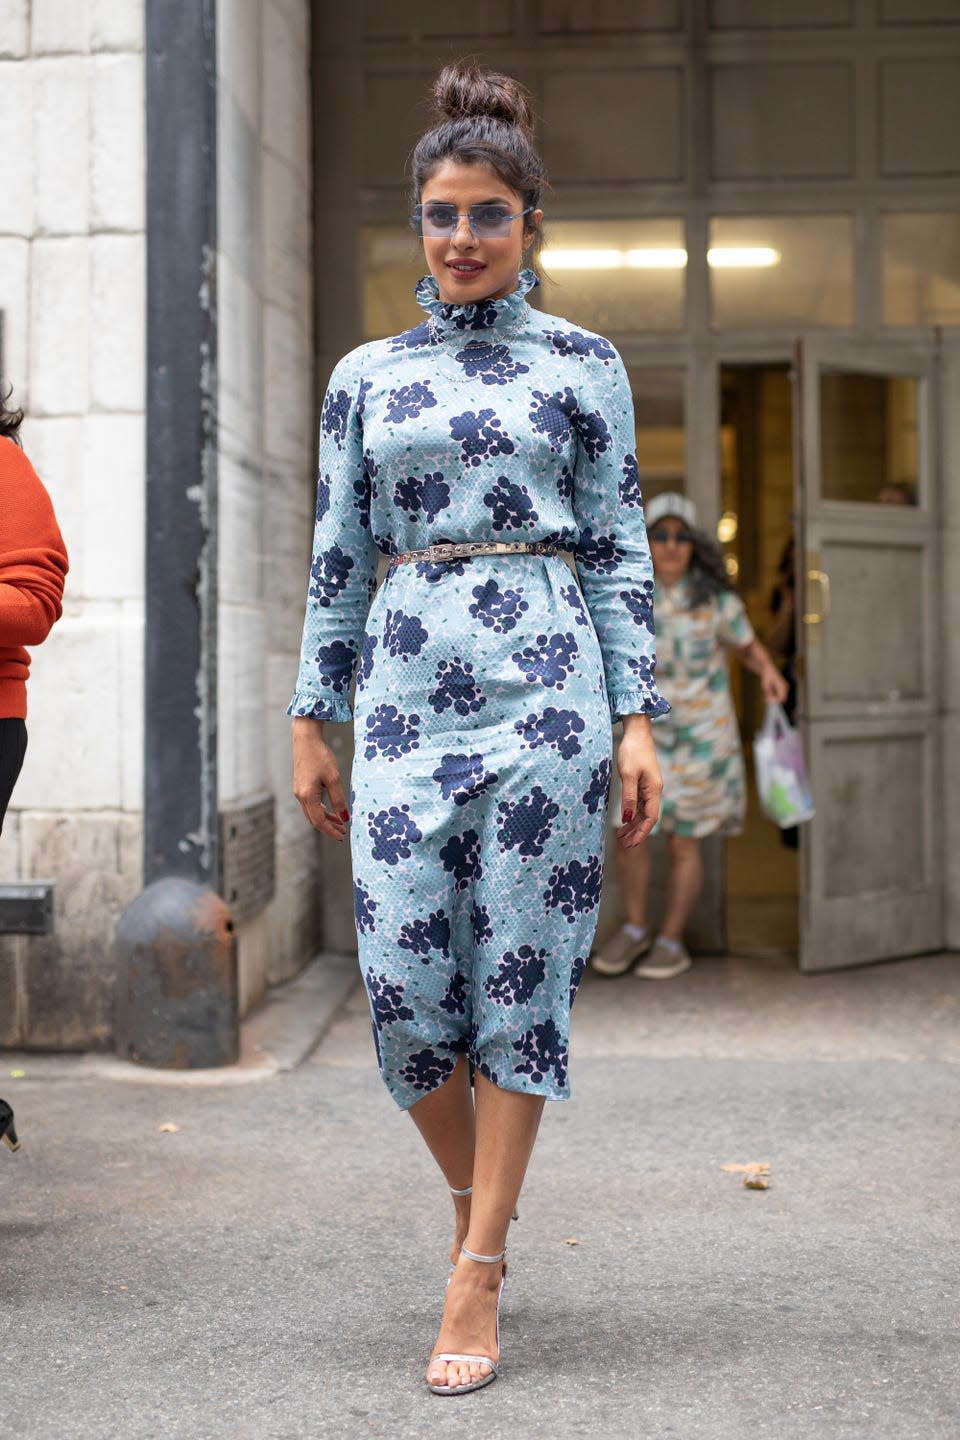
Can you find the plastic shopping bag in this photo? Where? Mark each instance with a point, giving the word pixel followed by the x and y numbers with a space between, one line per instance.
pixel 782 781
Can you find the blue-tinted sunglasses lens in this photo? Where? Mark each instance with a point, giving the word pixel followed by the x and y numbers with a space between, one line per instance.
pixel 438 222
pixel 663 537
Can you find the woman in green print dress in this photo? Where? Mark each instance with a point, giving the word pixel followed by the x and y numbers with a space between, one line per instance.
pixel 485 681
pixel 700 619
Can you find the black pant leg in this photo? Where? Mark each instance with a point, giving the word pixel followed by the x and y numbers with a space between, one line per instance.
pixel 13 747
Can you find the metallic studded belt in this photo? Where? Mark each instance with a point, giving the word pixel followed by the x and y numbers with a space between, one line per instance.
pixel 435 554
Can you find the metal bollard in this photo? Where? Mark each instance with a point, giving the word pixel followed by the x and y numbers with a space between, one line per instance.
pixel 176 951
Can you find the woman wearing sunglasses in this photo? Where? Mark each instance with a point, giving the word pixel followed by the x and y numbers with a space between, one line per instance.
pixel 471 450
pixel 699 618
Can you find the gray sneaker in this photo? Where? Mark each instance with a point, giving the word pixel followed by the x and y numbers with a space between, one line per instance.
pixel 620 954
pixel 664 961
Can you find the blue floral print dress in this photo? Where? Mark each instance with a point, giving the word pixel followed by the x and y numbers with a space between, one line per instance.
pixel 485 687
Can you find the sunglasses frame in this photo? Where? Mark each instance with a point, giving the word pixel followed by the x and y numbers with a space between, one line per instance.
pixel 416 222
pixel 671 537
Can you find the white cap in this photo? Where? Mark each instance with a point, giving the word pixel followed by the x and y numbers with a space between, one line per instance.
pixel 670 504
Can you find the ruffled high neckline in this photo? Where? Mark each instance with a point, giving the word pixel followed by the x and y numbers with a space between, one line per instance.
pixel 447 319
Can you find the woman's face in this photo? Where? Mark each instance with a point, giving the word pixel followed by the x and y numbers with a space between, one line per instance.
pixel 466 268
pixel 671 546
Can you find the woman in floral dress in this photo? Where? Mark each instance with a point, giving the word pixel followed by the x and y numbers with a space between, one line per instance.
pixel 700 619
pixel 485 682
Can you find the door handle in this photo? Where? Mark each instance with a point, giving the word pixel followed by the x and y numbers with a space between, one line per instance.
pixel 821 579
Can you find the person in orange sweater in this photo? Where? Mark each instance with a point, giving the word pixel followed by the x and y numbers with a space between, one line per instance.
pixel 33 565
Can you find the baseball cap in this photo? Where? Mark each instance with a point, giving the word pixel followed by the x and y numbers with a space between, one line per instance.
pixel 671 503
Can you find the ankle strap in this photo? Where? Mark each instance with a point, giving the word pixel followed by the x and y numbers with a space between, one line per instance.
pixel 468 1191
pixel 482 1259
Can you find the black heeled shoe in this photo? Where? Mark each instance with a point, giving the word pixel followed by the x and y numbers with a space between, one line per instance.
pixel 8 1131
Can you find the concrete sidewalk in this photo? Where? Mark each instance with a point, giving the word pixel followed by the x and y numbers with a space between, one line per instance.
pixel 274 1267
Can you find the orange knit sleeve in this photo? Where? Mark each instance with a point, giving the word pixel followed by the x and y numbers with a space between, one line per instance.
pixel 33 557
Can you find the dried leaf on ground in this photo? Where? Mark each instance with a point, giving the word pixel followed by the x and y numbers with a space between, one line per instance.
pixel 169 1128
pixel 755 1167
pixel 571 1242
pixel 756 1182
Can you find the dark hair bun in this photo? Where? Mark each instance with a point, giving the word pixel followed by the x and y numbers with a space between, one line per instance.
pixel 463 91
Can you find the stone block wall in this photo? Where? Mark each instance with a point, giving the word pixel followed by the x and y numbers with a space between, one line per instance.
pixel 72 264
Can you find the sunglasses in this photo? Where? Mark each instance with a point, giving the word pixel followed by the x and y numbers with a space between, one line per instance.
pixel 436 221
pixel 664 537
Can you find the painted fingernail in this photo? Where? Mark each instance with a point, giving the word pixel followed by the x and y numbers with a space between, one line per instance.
pixel 627 816
pixel 344 814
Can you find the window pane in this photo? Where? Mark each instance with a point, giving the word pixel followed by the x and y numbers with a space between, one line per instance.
pixel 770 272
pixel 868 438
pixel 393 263
pixel 614 276
pixel 921 269
pixel 658 403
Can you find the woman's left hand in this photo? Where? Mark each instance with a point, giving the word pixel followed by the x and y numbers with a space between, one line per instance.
pixel 775 687
pixel 641 781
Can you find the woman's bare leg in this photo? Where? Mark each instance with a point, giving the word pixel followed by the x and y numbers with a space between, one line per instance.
pixel 506 1128
pixel 445 1119
pixel 686 882
pixel 633 876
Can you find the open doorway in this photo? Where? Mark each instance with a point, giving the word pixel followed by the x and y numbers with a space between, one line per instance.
pixel 757 532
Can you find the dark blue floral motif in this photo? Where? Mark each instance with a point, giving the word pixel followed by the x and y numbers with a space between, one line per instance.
pixel 629 486
pixel 498 609
pixel 403 634
pixel 576 975
pixel 595 795
pixel 335 663
pixel 386 1005
pixel 428 495
pixel 391 733
pixel 371 470
pixel 482 929
pixel 336 413
pixel 598 552
pixel 549 660
pixel 486 1071
pixel 361 502
pixel 558 728
pixel 456 688
pixel 330 572
pixel 640 604
pixel 480 436
pixel 363 908
pixel 427 937
pixel 463 778
pixel 574 342
pixel 408 401
pixel 386 545
pixel 323 496
pixel 426 1070
pixel 574 888
pixel 543 1049
pixel 525 823
pixel 461 858
pixel 479 316
pixel 565 483
pixel 645 668
pixel 517 977
pixel 393 833
pixel 491 364
pixel 575 600
pixel 454 999
pixel 552 415
pixel 414 339
pixel 365 387
pixel 511 505
pixel 365 668
pixel 593 433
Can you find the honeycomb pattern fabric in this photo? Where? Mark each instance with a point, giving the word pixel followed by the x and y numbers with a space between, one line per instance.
pixel 484 688
pixel 698 743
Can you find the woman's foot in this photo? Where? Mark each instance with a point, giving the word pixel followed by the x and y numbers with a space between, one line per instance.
pixel 667 959
pixel 469 1325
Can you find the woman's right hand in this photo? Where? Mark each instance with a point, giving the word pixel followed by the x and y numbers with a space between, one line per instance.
pixel 315 772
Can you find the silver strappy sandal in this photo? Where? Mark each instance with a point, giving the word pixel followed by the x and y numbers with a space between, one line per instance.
pixel 460 1194
pixel 447 1355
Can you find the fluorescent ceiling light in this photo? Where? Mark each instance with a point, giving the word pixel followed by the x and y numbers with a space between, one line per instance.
pixel 660 257
pixel 742 257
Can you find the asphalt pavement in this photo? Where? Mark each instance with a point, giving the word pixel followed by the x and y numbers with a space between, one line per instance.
pixel 219 1261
